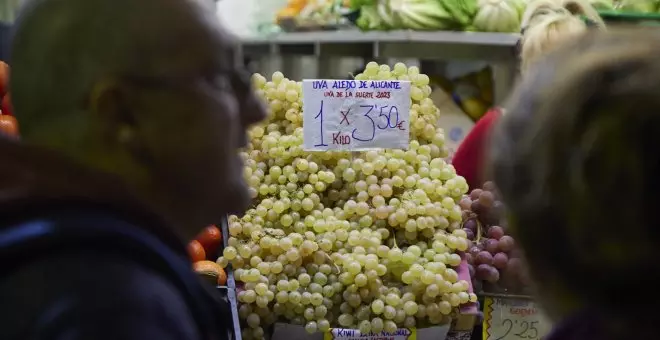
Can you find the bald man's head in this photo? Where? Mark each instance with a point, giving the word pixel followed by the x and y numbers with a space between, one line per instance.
pixel 61 47
pixel 145 89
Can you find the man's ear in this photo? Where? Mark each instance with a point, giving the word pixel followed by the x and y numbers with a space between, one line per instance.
pixel 110 108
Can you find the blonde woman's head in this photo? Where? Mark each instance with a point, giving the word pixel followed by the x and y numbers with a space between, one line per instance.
pixel 547 23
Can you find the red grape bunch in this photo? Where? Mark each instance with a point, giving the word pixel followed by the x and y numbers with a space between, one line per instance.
pixel 494 262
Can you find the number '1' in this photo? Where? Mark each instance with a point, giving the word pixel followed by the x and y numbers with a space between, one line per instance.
pixel 320 114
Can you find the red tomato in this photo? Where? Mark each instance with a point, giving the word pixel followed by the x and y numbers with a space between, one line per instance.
pixel 210 239
pixel 196 251
pixel 8 126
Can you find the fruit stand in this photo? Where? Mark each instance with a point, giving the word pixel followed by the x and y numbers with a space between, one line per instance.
pixel 367 241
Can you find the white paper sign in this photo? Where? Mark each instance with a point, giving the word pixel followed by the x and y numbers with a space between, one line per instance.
pixel 355 114
pixel 513 318
pixel 354 334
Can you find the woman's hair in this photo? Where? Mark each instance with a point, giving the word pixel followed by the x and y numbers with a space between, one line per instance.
pixel 546 23
pixel 577 162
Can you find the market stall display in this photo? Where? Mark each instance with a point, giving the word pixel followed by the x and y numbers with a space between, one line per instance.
pixel 366 240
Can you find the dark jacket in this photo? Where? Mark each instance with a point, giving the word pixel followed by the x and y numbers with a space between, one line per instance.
pixel 81 259
pixel 592 325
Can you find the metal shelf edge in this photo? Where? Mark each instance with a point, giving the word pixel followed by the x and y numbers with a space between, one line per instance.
pixel 355 36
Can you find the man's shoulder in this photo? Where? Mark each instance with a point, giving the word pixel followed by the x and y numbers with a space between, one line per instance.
pixel 85 271
pixel 93 286
pixel 92 267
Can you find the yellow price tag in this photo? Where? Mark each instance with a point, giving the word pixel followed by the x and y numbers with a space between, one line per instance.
pixel 354 334
pixel 513 318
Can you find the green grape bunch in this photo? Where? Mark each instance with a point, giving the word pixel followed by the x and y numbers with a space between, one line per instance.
pixel 364 240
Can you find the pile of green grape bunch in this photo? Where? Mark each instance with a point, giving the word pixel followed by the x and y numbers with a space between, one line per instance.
pixel 494 262
pixel 369 240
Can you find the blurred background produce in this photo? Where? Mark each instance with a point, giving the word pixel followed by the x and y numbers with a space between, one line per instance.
pixel 8 124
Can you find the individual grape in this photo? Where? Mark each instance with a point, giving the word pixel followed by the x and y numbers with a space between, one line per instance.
pixel 484 257
pixel 506 243
pixel 395 255
pixel 486 199
pixel 495 232
pixel 345 320
pixel 493 276
pixel 476 207
pixel 409 258
pixel 377 325
pixel 489 186
pixel 309 314
pixel 229 253
pixel 261 288
pixel 364 327
pixel 500 261
pixel 465 203
pixel 492 246
pixel 469 234
pixel 377 306
pixel 323 325
pixel 392 299
pixel 389 312
pixel 474 194
pixel 400 317
pixel 311 327
pixel 470 224
pixel 253 320
pixel 410 307
pixel 276 267
pixel 444 307
pixel 484 271
pixel 389 326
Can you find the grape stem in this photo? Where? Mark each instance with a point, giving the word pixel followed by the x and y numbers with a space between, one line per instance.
pixel 479 229
pixel 333 263
pixel 479 226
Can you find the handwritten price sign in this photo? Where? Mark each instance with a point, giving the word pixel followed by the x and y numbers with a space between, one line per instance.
pixel 355 114
pixel 513 319
pixel 354 334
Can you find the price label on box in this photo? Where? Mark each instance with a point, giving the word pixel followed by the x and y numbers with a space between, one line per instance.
pixel 355 114
pixel 354 334
pixel 513 318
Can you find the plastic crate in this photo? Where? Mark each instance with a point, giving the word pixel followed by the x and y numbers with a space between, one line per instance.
pixel 617 17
